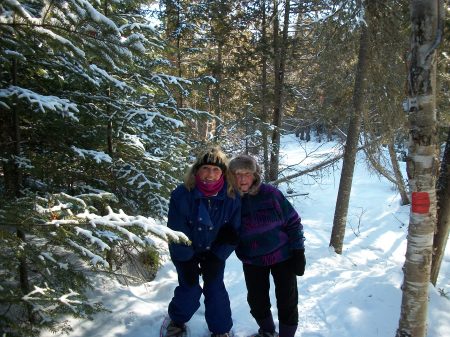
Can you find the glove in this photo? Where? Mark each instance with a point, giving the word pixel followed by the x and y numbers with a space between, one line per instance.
pixel 227 235
pixel 298 261
pixel 189 271
pixel 211 266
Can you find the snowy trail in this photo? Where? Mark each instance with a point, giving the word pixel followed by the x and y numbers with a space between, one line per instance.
pixel 356 294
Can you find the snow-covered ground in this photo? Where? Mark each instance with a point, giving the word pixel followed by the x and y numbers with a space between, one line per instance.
pixel 356 294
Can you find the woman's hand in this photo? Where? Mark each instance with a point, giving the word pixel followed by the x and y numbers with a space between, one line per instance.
pixel 227 235
pixel 298 261
pixel 190 271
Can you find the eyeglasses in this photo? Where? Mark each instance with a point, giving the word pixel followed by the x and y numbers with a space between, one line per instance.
pixel 244 175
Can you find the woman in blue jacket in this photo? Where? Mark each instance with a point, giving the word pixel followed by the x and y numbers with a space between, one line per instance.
pixel 207 210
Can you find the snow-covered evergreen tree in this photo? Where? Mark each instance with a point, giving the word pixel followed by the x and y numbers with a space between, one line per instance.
pixel 88 127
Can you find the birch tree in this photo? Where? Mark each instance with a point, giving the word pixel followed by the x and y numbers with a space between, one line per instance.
pixel 422 165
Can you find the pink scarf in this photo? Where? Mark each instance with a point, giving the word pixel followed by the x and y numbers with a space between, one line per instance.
pixel 209 188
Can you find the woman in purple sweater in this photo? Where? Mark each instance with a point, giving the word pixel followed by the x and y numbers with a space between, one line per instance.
pixel 271 242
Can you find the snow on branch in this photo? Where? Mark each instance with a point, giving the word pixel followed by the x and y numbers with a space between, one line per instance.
pixel 70 201
pixel 43 294
pixel 121 220
pixel 74 213
pixel 60 105
pixel 143 181
pixel 57 208
pixel 19 10
pixel 149 116
pixel 119 84
pixel 58 38
pixel 95 259
pixel 174 79
pixel 37 291
pixel 96 196
pixel 162 79
pixel 135 41
pixel 134 141
pixel 49 256
pixel 83 5
pixel 64 299
pixel 98 156
pixel 15 54
pixel 92 238
pixel 137 26
pixel 138 177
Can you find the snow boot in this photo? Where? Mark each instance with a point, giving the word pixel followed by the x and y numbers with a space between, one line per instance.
pixel 176 330
pixel 287 330
pixel 262 333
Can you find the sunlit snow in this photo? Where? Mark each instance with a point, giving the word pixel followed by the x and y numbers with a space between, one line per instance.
pixel 356 294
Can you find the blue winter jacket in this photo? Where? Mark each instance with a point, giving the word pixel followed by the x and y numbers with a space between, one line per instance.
pixel 200 218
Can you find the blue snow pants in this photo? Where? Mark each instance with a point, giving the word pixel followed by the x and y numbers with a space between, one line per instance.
pixel 186 299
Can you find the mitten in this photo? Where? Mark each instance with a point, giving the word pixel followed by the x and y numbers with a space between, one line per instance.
pixel 189 271
pixel 227 235
pixel 298 261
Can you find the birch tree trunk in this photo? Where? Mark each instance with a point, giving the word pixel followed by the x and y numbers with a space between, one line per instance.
pixel 422 165
pixel 351 146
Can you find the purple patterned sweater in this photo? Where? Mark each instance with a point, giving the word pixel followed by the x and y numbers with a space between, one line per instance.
pixel 270 229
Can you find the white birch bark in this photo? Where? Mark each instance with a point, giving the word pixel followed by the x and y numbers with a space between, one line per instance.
pixel 422 167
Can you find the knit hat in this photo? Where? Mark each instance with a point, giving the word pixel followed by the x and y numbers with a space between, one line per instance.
pixel 213 156
pixel 246 162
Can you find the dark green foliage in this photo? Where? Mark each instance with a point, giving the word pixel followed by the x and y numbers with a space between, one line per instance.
pixel 88 123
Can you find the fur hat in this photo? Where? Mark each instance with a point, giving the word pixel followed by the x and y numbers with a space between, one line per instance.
pixel 213 156
pixel 246 162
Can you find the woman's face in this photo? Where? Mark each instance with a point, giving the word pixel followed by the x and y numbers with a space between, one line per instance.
pixel 244 180
pixel 209 173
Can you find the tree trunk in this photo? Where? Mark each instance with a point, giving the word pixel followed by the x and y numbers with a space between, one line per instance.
pixel 351 146
pixel 264 91
pixel 400 183
pixel 10 134
pixel 179 95
pixel 421 168
pixel 279 69
pixel 218 88
pixel 23 275
pixel 173 35
pixel 109 126
pixel 13 177
pixel 377 165
pixel 443 214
